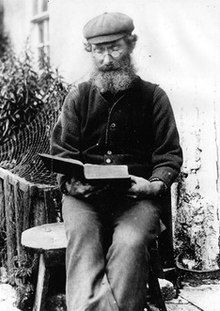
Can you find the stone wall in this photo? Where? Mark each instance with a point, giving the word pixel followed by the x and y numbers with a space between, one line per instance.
pixel 197 214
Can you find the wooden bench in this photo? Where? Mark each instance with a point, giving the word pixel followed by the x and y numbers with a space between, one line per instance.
pixel 50 241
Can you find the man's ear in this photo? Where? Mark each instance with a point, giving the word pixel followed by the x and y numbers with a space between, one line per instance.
pixel 132 46
pixel 87 46
pixel 131 41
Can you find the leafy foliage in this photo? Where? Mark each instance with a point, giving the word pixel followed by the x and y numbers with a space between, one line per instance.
pixel 27 94
pixel 4 44
pixel 21 277
pixel 25 91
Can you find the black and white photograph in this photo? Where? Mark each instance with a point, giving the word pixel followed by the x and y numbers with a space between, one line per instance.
pixel 109 155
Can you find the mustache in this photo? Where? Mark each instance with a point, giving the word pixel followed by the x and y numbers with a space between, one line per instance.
pixel 106 68
pixel 116 65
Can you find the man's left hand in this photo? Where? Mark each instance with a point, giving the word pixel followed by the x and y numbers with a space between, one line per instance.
pixel 142 187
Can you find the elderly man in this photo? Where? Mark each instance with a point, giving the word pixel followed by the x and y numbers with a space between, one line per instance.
pixel 114 118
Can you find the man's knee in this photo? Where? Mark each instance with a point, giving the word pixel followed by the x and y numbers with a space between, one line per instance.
pixel 130 238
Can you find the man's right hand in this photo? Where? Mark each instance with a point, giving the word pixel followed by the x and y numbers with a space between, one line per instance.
pixel 78 188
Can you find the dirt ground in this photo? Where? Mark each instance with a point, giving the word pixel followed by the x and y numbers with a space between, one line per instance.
pixel 205 297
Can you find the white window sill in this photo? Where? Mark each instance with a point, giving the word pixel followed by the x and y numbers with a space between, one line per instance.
pixel 40 17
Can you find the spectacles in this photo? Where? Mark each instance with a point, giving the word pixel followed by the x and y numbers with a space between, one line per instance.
pixel 114 51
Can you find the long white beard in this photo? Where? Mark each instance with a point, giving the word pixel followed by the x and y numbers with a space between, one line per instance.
pixel 118 78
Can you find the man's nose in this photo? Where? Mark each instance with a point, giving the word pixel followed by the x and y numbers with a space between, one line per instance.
pixel 107 59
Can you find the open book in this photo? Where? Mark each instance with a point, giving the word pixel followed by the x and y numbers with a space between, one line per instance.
pixel 91 172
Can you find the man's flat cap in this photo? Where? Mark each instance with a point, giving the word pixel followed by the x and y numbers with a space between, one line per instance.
pixel 108 27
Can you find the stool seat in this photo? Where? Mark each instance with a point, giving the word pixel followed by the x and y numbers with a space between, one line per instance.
pixel 46 237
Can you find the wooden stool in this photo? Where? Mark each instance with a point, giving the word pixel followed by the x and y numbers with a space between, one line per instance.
pixel 50 241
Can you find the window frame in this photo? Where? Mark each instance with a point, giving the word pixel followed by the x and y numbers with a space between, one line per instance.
pixel 41 18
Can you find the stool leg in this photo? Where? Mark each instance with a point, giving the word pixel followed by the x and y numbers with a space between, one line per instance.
pixel 42 285
pixel 156 293
pixel 156 271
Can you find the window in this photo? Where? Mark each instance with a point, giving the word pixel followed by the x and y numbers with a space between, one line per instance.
pixel 41 23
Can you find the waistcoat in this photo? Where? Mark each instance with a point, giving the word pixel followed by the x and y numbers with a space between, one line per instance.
pixel 118 133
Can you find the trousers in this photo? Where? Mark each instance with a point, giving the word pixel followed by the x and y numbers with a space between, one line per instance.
pixel 107 255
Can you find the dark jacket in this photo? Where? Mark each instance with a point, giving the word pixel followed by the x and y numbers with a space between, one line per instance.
pixel 138 129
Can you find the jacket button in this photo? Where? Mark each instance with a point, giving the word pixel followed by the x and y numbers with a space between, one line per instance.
pixel 109 152
pixel 112 126
pixel 108 160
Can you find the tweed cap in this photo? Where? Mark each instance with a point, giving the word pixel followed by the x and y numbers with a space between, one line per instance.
pixel 108 27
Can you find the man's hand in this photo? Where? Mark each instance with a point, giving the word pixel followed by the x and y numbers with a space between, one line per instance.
pixel 141 187
pixel 78 188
